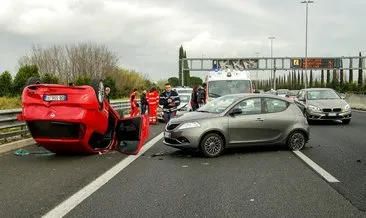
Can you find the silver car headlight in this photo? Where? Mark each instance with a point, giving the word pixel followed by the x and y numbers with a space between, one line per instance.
pixel 314 108
pixel 189 125
pixel 347 107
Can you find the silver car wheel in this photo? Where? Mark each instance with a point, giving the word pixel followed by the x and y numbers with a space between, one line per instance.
pixel 297 141
pixel 213 145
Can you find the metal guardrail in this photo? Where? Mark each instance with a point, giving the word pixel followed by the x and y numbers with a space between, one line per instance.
pixel 11 127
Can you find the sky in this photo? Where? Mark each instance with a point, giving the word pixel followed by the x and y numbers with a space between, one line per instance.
pixel 146 34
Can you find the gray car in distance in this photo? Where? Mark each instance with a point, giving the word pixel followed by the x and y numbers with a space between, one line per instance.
pixel 239 120
pixel 323 104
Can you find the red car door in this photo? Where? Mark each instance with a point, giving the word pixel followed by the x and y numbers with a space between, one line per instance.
pixel 131 133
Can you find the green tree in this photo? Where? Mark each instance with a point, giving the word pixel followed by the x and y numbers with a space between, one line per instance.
pixel 82 80
pixel 322 78
pixel 350 74
pixel 50 79
pixel 6 82
pixel 111 83
pixel 24 73
pixel 335 83
pixel 181 55
pixel 311 79
pixel 174 81
pixel 161 85
pixel 195 81
pixel 328 77
pixel 186 73
pixel 341 77
pixel 360 73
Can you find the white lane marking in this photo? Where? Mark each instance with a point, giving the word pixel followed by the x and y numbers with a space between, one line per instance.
pixel 327 176
pixel 70 203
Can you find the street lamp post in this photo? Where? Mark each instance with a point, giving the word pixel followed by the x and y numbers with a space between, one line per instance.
pixel 307 2
pixel 273 76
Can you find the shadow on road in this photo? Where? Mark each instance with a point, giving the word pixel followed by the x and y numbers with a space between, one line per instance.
pixel 326 123
pixel 183 154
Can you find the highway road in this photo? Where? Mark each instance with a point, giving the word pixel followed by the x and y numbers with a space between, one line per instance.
pixel 165 182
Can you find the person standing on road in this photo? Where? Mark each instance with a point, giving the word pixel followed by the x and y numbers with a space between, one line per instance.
pixel 202 95
pixel 170 100
pixel 144 102
pixel 194 98
pixel 153 101
pixel 134 104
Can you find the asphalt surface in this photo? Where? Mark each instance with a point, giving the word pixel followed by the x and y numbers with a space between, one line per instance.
pixel 165 182
pixel 32 185
pixel 341 151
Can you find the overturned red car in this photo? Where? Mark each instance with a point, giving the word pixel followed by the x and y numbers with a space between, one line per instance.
pixel 79 120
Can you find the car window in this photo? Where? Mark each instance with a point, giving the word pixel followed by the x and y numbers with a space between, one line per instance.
pixel 301 95
pixel 272 105
pixel 184 98
pixel 250 106
pixel 322 95
pixel 180 91
pixel 218 105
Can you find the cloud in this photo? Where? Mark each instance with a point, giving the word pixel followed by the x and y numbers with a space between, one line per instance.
pixel 146 34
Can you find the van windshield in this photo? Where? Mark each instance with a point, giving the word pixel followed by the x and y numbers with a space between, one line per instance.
pixel 226 87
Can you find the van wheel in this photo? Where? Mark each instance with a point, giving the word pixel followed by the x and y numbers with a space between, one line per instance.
pixel 212 145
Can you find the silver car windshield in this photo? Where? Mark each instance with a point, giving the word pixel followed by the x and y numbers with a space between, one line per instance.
pixel 218 105
pixel 322 95
pixel 282 91
pixel 184 98
pixel 226 87
pixel 180 91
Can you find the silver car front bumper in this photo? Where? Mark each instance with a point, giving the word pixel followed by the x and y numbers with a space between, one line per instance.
pixel 313 115
pixel 187 138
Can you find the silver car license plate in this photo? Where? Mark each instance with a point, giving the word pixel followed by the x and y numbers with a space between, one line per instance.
pixel 54 97
pixel 167 134
pixel 332 114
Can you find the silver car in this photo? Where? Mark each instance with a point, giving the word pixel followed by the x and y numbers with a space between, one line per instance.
pixel 323 104
pixel 282 92
pixel 237 120
pixel 184 107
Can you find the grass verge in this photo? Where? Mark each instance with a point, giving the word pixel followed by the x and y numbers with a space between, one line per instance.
pixel 9 103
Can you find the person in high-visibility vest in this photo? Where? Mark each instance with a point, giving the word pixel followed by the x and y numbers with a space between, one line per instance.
pixel 134 104
pixel 153 103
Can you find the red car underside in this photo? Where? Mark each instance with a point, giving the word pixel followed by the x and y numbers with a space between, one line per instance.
pixel 71 126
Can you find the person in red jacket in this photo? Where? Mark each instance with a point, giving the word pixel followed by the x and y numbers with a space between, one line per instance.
pixel 153 103
pixel 134 104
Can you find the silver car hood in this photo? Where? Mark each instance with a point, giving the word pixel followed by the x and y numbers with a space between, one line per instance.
pixel 193 116
pixel 330 103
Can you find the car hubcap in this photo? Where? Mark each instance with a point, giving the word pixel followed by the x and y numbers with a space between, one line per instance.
pixel 100 92
pixel 297 141
pixel 213 145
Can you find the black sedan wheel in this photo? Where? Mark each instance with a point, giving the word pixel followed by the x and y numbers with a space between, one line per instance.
pixel 212 145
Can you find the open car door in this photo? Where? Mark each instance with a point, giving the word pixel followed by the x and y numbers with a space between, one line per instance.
pixel 131 133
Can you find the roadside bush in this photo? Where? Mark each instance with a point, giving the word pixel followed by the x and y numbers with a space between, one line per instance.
pixel 9 103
